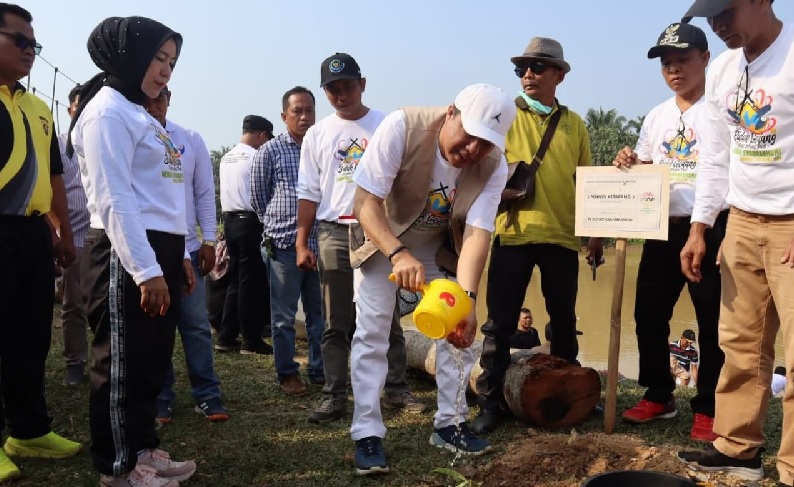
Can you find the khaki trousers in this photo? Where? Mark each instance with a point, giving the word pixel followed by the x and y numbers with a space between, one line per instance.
pixel 757 299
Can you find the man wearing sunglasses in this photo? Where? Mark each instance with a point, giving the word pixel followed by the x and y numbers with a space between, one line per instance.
pixel 671 134
pixel 540 231
pixel 30 186
pixel 748 158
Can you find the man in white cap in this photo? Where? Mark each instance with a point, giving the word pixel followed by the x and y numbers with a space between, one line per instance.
pixel 536 231
pixel 420 161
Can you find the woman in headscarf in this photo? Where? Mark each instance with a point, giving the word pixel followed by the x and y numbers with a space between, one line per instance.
pixel 134 268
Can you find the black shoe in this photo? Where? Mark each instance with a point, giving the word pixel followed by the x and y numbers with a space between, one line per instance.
pixel 258 348
pixel 486 421
pixel 329 409
pixel 75 375
pixel 227 347
pixel 712 460
pixel 781 484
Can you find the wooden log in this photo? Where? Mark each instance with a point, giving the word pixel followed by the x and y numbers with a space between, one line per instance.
pixel 541 389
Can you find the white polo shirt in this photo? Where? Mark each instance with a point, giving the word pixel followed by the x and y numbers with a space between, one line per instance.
pixel 235 178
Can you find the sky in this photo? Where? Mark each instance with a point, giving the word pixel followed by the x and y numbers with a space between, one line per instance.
pixel 240 56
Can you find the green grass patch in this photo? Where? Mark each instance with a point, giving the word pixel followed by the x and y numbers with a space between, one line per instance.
pixel 268 441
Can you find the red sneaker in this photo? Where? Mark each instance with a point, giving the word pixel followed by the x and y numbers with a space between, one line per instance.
pixel 703 428
pixel 646 411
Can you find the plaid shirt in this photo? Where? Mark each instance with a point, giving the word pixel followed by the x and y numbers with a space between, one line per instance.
pixel 274 179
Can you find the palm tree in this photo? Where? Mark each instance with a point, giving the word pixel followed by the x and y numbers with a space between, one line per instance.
pixel 635 124
pixel 600 118
pixel 216 156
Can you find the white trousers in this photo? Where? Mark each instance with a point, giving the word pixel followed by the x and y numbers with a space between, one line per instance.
pixel 375 300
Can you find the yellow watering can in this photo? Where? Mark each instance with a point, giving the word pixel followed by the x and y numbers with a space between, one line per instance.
pixel 444 304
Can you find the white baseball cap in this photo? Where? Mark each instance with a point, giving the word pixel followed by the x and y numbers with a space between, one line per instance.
pixel 486 112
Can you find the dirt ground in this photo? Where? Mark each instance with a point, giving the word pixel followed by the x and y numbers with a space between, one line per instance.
pixel 566 460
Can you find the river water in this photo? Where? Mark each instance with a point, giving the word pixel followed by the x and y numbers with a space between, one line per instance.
pixel 593 310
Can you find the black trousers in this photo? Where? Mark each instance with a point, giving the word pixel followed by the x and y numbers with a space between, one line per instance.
pixel 659 285
pixel 509 273
pixel 247 306
pixel 27 291
pixel 132 351
pixel 216 299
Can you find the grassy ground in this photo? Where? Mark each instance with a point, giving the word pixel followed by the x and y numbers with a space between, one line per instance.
pixel 268 442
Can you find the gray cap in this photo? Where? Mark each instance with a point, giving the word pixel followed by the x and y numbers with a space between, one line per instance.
pixel 705 8
pixel 544 49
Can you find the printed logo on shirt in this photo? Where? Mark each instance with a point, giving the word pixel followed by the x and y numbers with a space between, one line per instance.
pixel 45 125
pixel 348 152
pixel 678 150
pixel 754 134
pixel 437 210
pixel 172 157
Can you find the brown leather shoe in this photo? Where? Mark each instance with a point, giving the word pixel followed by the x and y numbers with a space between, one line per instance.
pixel 294 386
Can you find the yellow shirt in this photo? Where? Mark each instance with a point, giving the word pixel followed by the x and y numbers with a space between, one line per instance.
pixel 26 123
pixel 548 217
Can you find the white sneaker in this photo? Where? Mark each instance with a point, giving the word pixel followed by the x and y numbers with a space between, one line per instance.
pixel 140 476
pixel 167 468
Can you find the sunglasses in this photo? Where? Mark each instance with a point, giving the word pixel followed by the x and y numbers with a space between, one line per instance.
pixel 537 67
pixel 22 41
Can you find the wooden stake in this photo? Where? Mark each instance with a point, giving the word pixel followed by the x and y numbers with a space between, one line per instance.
pixel 614 336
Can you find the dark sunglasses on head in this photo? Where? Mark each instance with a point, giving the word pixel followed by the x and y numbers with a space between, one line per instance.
pixel 537 67
pixel 23 42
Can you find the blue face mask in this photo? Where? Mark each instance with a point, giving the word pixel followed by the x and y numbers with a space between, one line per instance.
pixel 535 105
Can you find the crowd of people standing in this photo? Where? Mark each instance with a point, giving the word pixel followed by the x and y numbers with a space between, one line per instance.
pixel 325 212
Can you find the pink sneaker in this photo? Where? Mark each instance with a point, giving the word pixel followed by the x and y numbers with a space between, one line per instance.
pixel 140 476
pixel 165 467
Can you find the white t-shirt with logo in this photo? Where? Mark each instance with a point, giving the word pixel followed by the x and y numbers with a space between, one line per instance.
pixel 132 175
pixel 234 176
pixel 330 152
pixel 380 164
pixel 199 184
pixel 749 150
pixel 670 137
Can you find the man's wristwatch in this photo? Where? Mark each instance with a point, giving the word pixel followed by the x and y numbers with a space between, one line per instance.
pixel 472 295
pixel 208 243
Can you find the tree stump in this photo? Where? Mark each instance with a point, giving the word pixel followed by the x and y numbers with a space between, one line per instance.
pixel 548 391
pixel 540 389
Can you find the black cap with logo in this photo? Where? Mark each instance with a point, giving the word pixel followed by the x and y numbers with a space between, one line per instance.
pixel 339 66
pixel 689 335
pixel 679 36
pixel 255 123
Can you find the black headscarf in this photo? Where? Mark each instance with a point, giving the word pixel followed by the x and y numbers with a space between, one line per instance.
pixel 122 48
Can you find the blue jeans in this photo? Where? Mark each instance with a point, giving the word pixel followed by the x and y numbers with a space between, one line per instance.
pixel 194 328
pixel 287 284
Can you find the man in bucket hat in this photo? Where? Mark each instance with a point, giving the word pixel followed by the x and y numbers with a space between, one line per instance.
pixel 540 231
